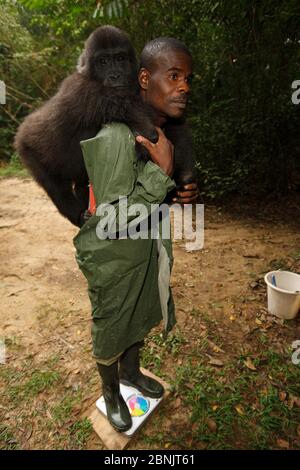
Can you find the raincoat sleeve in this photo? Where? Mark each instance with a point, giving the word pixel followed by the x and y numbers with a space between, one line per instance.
pixel 116 175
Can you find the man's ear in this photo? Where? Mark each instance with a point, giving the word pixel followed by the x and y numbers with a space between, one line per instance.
pixel 143 77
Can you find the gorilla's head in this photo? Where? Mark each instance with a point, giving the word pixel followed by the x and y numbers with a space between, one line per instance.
pixel 109 58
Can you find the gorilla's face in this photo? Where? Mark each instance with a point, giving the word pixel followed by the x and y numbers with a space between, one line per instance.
pixel 110 59
pixel 113 68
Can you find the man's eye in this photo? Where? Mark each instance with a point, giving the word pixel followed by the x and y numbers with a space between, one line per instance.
pixel 174 76
pixel 189 79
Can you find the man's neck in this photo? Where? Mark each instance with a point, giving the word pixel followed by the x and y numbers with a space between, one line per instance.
pixel 159 119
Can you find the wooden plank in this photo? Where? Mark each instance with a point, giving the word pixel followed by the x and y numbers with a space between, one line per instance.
pixel 112 439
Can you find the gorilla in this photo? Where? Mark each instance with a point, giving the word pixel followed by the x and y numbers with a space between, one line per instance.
pixel 103 89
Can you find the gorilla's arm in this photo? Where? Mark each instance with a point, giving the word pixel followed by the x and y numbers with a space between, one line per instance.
pixel 180 136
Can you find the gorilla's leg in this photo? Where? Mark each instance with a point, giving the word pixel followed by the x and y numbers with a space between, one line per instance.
pixel 59 190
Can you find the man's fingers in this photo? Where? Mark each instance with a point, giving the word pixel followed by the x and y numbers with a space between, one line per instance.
pixel 186 197
pixel 190 186
pixel 159 131
pixel 185 200
pixel 187 193
pixel 143 141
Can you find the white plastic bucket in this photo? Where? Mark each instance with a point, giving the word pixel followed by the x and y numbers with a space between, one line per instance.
pixel 283 293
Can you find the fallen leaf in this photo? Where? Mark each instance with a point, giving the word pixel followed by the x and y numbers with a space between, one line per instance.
pixel 282 396
pixel 283 444
pixel 28 433
pixel 215 347
pixel 240 410
pixel 296 401
pixel 195 427
pixel 248 363
pixel 215 407
pixel 232 318
pixel 293 401
pixel 177 402
pixel 215 362
pixel 258 321
pixel 212 425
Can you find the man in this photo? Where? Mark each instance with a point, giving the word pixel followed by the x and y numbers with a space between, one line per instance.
pixel 164 77
pixel 128 278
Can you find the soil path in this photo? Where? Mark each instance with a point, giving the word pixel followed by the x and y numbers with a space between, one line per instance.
pixel 44 305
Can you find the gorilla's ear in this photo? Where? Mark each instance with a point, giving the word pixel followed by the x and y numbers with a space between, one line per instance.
pixel 82 65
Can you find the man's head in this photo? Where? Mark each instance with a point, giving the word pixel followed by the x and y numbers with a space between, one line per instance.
pixel 164 77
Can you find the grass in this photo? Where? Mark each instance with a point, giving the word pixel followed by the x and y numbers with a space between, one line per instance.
pixel 38 395
pixel 158 348
pixel 230 407
pixel 62 411
pixel 236 408
pixel 80 432
pixel 27 383
pixel 7 439
pixel 13 168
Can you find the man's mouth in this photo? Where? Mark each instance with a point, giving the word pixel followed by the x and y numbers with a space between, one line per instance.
pixel 180 103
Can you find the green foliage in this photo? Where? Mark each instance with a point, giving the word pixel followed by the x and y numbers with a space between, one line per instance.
pixel 14 168
pixel 246 56
pixel 80 432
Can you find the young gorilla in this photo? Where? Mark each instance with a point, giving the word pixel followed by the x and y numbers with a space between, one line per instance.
pixel 103 89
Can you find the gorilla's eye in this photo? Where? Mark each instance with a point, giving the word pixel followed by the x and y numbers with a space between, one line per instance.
pixel 102 60
pixel 120 58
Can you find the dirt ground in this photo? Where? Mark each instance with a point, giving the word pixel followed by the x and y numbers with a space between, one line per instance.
pixel 45 317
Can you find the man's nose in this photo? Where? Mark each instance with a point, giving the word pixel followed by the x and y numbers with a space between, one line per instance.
pixel 184 87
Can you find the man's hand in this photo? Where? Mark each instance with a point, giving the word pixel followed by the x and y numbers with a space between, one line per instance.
pixel 162 153
pixel 187 194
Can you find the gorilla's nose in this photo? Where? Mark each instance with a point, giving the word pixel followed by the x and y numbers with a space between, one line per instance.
pixel 115 76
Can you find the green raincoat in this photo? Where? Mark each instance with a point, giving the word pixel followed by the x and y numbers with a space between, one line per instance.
pixel 128 279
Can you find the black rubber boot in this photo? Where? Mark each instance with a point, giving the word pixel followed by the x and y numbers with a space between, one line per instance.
pixel 117 411
pixel 130 373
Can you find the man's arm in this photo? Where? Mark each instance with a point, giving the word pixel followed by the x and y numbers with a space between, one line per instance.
pixel 112 168
pixel 160 154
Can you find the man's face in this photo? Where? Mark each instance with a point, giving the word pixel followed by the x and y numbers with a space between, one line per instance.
pixel 167 86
